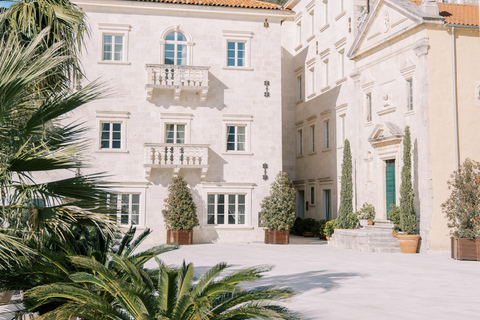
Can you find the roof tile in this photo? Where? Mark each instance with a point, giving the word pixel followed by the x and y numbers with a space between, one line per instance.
pixel 461 14
pixel 252 4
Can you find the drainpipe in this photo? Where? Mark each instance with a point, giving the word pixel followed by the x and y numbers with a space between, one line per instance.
pixel 455 104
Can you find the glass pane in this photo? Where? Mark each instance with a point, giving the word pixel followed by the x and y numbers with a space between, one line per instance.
pixel 105 144
pixel 231 54
pixel 240 63
pixel 211 199
pixel 241 199
pixel 117 127
pixel 105 126
pixel 118 56
pixel 119 40
pixel 241 219
pixel 105 135
pixel 116 144
pixel 211 209
pixel 135 220
pixel 231 219
pixel 107 56
pixel 241 46
pixel 240 54
pixel 135 198
pixel 116 136
pixel 181 37
pixel 231 62
pixel 170 134
pixel 221 219
pixel 241 130
pixel 231 199
pixel 211 219
pixel 107 39
pixel 231 45
pixel 170 36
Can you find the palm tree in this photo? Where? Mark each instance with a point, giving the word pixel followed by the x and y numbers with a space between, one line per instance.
pixel 123 291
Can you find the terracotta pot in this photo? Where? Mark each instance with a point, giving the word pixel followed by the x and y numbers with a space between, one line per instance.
pixel 322 237
pixel 329 238
pixel 273 236
pixel 408 242
pixel 394 234
pixel 181 237
pixel 370 222
pixel 5 297
pixel 465 249
pixel 308 234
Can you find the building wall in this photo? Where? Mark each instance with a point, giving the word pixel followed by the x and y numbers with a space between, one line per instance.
pixel 234 96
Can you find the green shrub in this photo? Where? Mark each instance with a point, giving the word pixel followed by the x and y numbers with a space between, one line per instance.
pixel 346 188
pixel 309 225
pixel 351 221
pixel 330 227
pixel 180 211
pixel 320 227
pixel 408 217
pixel 367 212
pixel 278 208
pixel 394 215
pixel 298 227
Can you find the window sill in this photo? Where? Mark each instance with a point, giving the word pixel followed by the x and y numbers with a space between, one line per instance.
pixel 111 151
pixel 386 111
pixel 311 38
pixel 138 227
pixel 326 88
pixel 125 63
pixel 311 95
pixel 237 153
pixel 229 227
pixel 368 124
pixel 298 47
pixel 340 15
pixel 325 27
pixel 312 205
pixel 340 81
pixel 312 153
pixel 409 113
pixel 298 101
pixel 327 150
pixel 237 68
pixel 299 155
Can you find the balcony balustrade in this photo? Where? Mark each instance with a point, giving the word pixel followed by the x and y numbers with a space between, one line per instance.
pixel 177 78
pixel 176 156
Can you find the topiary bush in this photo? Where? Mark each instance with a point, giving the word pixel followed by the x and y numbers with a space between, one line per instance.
pixel 330 227
pixel 320 227
pixel 394 215
pixel 408 217
pixel 278 208
pixel 367 212
pixel 180 211
pixel 462 208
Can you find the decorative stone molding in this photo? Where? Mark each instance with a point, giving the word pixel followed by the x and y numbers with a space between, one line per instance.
pixel 385 135
pixel 355 75
pixel 421 47
pixel 407 69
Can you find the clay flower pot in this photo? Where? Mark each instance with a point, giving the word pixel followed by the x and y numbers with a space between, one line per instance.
pixel 273 236
pixel 370 222
pixel 394 234
pixel 308 234
pixel 408 242
pixel 181 237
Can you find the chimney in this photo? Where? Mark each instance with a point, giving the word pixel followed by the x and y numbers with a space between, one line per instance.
pixel 430 7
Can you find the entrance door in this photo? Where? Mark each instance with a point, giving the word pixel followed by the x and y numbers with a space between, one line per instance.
pixel 390 184
pixel 301 204
pixel 326 204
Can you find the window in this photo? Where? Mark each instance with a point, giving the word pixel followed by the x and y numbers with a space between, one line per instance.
pixel 176 48
pixel 112 47
pixel 368 107
pixel 127 207
pixel 236 138
pixel 326 204
pixel 298 34
pixel 312 196
pixel 312 138
pixel 326 134
pixel 175 133
pixel 311 72
pixel 312 22
pixel 235 54
pixel 325 71
pixel 409 94
pixel 299 88
pixel 300 142
pixel 325 17
pixel 111 136
pixel 226 209
pixel 342 64
pixel 342 129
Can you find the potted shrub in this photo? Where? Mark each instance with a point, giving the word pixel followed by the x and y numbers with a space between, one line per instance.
pixel 329 229
pixel 351 221
pixel 180 213
pixel 277 213
pixel 462 210
pixel 320 229
pixel 407 238
pixel 394 215
pixel 298 227
pixel 366 213
pixel 309 227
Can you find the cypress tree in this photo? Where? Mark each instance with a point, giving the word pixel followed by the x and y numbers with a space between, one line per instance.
pixel 408 217
pixel 346 192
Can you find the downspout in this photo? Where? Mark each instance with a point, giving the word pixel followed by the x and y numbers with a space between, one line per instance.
pixel 455 104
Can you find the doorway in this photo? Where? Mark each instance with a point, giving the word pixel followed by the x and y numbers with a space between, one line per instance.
pixel 390 184
pixel 301 204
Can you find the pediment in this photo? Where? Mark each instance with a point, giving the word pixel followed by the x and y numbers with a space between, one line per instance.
pixel 388 19
pixel 385 134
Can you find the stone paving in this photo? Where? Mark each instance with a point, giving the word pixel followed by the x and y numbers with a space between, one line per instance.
pixel 343 284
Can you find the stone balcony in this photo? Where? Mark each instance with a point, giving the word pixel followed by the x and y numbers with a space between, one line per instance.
pixel 176 157
pixel 174 78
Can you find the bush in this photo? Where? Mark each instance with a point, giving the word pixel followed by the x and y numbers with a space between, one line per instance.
pixel 462 208
pixel 309 225
pixel 408 217
pixel 298 227
pixel 180 211
pixel 278 208
pixel 320 227
pixel 346 188
pixel 351 221
pixel 394 215
pixel 330 227
pixel 367 212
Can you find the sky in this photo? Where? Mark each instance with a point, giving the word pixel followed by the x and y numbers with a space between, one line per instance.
pixel 5 4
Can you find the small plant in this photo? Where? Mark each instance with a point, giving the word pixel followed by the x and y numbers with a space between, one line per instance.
pixel 330 227
pixel 278 208
pixel 320 227
pixel 394 215
pixel 367 212
pixel 351 221
pixel 180 211
pixel 462 208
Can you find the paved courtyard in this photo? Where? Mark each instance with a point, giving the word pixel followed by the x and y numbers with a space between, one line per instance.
pixel 342 284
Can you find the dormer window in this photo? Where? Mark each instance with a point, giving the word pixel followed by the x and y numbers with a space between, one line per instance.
pixel 176 48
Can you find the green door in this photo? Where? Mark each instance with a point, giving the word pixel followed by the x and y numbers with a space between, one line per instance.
pixel 390 183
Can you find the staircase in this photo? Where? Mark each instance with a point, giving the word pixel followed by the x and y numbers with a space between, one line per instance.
pixel 376 238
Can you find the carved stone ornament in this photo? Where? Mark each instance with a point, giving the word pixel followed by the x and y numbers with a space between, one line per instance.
pixel 387 100
pixel 385 21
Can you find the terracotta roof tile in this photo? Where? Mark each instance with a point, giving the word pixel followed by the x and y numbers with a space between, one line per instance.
pixel 461 14
pixel 252 4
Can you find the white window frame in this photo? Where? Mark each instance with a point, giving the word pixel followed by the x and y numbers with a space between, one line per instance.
pixel 237 120
pixel 313 197
pixel 175 118
pixel 236 50
pixel 410 96
pixel 226 209
pixel 325 10
pixel 228 188
pixel 298 33
pixel 299 88
pixel 368 107
pixel 238 36
pixel 341 124
pixel 312 139
pixel 114 29
pixel 299 141
pixel 112 117
pixel 189 44
pixel 326 135
pixel 131 188
pixel 175 132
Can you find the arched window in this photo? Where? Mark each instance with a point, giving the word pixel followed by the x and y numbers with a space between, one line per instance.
pixel 176 48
